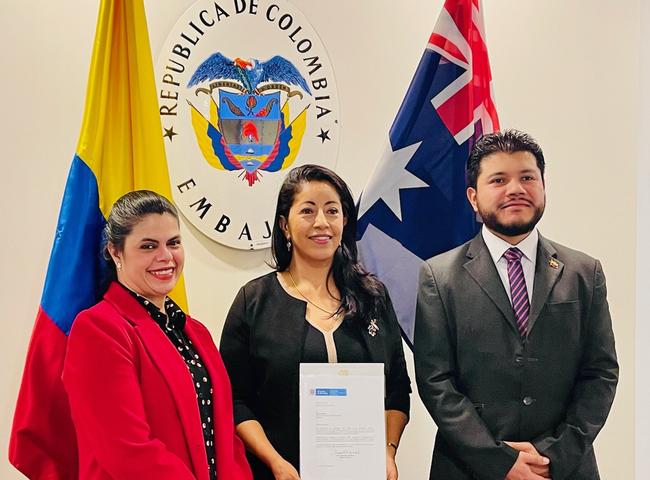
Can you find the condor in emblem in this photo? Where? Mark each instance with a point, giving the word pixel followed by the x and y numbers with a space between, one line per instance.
pixel 248 129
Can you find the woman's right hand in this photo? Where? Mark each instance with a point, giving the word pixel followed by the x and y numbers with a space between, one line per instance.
pixel 256 441
pixel 283 470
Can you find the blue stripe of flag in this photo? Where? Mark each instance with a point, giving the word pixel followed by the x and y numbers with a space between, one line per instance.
pixel 72 281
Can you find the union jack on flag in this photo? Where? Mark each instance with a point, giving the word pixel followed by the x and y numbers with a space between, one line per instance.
pixel 414 206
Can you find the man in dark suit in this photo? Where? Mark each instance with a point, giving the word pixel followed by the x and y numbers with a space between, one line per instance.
pixel 514 349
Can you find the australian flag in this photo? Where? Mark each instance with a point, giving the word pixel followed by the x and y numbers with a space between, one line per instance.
pixel 414 205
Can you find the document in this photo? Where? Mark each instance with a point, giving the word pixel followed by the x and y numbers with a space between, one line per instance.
pixel 342 426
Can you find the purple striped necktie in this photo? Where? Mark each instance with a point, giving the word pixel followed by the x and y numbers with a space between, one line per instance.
pixel 518 290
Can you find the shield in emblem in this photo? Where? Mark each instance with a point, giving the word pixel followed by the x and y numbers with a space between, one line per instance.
pixel 250 125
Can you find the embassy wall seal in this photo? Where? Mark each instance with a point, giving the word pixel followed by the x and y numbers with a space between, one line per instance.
pixel 246 91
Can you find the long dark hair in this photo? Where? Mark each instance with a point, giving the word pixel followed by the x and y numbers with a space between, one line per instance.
pixel 126 213
pixel 362 294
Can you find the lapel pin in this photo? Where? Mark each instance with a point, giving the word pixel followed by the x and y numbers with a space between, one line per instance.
pixel 373 328
pixel 553 263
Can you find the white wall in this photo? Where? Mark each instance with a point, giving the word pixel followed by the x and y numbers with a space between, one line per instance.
pixel 642 332
pixel 566 71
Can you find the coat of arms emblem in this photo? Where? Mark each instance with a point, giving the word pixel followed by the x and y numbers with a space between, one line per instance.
pixel 246 91
pixel 249 127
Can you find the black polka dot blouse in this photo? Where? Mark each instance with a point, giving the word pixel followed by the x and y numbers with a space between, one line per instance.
pixel 172 323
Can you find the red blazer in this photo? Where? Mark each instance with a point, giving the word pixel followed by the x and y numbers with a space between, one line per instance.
pixel 133 402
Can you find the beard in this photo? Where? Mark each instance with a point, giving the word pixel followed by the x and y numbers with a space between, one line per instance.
pixel 513 229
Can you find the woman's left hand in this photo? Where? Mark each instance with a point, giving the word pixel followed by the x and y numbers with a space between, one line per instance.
pixel 391 467
pixel 395 422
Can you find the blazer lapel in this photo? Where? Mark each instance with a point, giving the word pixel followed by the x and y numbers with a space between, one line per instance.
pixel 481 268
pixel 288 325
pixel 221 396
pixel 172 368
pixel 547 271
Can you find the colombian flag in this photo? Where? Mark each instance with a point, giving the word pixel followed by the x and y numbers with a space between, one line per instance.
pixel 120 149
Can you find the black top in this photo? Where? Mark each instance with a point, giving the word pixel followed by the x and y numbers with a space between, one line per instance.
pixel 349 344
pixel 262 345
pixel 172 322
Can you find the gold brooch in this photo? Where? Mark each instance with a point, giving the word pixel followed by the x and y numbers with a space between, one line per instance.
pixel 553 263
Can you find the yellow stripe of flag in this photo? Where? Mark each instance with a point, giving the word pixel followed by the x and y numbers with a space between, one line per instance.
pixel 121 135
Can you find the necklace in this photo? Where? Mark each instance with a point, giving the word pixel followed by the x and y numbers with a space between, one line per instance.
pixel 293 282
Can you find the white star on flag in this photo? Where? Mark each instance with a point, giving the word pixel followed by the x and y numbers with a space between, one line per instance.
pixel 390 176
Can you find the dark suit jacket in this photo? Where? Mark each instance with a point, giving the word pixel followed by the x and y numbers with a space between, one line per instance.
pixel 482 384
pixel 132 399
pixel 262 345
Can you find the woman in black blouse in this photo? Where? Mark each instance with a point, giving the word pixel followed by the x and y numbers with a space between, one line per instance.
pixel 320 305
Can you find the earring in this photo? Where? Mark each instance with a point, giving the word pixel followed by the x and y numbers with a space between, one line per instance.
pixel 288 244
pixel 118 265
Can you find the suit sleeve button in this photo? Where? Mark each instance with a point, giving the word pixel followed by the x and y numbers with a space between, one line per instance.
pixel 528 401
pixel 519 359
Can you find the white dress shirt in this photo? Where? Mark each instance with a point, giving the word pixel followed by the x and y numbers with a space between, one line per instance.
pixel 528 246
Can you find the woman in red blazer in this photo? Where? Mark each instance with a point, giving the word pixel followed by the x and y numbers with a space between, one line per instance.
pixel 148 392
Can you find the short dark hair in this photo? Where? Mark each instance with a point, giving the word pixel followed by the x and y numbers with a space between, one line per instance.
pixel 126 213
pixel 363 296
pixel 508 141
